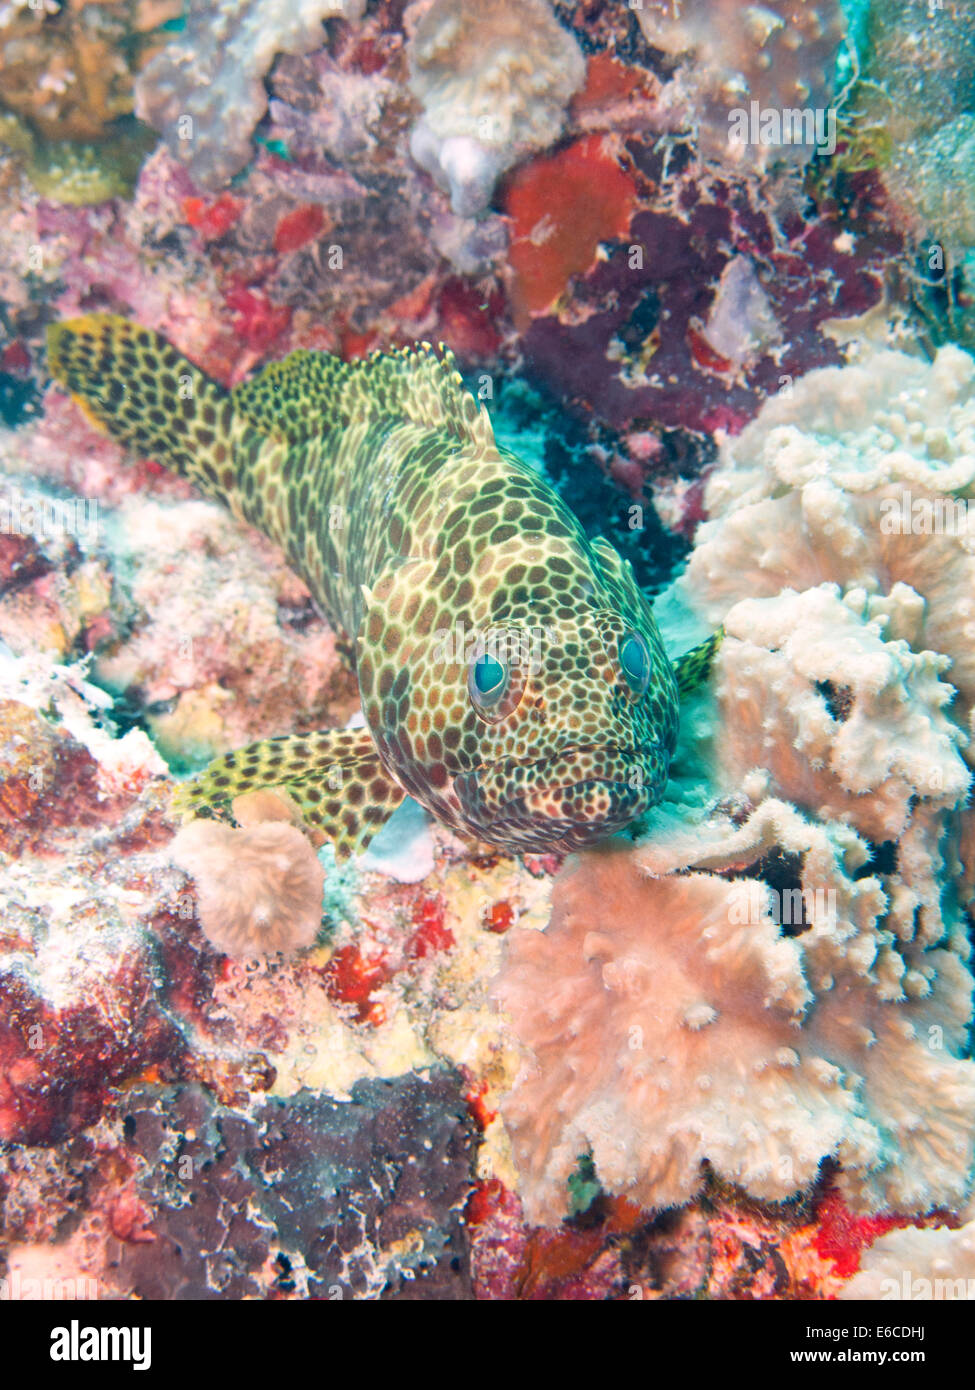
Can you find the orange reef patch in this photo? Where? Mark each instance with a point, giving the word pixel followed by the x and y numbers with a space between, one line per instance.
pixel 607 81
pixel 350 978
pixel 561 208
pixel 212 218
pixel 298 227
pixel 431 934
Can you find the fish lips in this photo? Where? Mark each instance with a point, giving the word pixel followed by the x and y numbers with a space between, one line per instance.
pixel 582 793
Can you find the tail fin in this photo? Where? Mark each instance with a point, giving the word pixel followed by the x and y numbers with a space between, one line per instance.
pixel 149 397
pixel 693 668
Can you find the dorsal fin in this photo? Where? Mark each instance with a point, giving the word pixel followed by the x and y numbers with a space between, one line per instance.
pixel 308 392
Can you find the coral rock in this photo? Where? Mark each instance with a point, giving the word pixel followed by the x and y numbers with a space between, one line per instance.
pixel 205 91
pixel 494 79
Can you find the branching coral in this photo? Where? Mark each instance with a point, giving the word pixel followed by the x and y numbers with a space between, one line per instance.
pixel 205 92
pixel 494 79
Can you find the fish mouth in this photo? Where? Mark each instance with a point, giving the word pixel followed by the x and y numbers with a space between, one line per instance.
pixel 579 793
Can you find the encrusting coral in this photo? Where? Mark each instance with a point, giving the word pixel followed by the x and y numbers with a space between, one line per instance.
pixel 495 80
pixel 205 91
pixel 826 771
pixel 667 1019
pixel 74 172
pixel 69 68
pixel 67 96
pixel 731 53
pixel 919 87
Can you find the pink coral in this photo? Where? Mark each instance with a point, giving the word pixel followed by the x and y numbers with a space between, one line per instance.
pixel 668 1020
pixel 259 889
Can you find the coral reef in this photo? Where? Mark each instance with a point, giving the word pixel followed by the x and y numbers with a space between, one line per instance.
pixel 227 52
pixel 917 1266
pixel 287 659
pixel 74 172
pixel 69 69
pixel 307 1197
pixel 761 1009
pixel 860 477
pixel 349 1199
pixel 695 1029
pixel 622 338
pixel 918 84
pixel 834 700
pixel 780 55
pixel 67 101
pixel 494 80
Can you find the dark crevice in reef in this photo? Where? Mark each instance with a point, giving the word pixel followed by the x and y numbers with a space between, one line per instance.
pixel 20 399
pixel 883 860
pixel 839 699
pixel 298 617
pixel 130 710
pixel 783 874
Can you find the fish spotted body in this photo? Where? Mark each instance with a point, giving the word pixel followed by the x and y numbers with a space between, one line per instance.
pixel 512 676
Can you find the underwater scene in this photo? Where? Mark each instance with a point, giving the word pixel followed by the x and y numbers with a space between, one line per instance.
pixel 487 651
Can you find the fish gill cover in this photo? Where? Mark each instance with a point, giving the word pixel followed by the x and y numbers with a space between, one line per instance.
pixel 487 649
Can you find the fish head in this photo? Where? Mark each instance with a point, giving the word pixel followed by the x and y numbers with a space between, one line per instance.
pixel 546 724
pixel 577 722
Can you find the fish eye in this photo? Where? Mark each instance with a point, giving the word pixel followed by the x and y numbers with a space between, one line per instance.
pixel 487 680
pixel 634 658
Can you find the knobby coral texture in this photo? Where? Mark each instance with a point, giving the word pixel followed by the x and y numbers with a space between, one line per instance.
pixel 816 978
pixel 672 538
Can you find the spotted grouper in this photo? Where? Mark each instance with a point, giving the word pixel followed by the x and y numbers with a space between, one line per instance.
pixel 512 676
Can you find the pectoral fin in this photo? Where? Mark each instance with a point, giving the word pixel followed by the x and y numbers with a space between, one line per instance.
pixel 693 668
pixel 334 776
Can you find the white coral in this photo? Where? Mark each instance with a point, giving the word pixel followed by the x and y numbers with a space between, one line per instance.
pixel 781 55
pixel 494 79
pixel 861 479
pixel 917 1266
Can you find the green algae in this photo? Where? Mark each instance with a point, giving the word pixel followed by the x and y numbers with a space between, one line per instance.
pixel 79 173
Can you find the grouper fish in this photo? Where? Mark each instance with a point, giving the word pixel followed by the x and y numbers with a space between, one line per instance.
pixel 512 676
